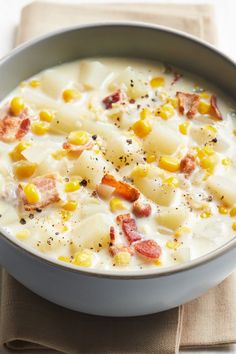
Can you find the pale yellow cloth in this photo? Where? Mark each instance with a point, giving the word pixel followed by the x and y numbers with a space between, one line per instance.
pixel 32 325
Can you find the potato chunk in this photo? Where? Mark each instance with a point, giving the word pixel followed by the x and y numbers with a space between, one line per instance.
pixel 172 218
pixel 92 231
pixel 223 188
pixel 92 74
pixel 162 139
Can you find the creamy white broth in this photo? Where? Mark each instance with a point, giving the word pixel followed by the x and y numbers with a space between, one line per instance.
pixel 191 213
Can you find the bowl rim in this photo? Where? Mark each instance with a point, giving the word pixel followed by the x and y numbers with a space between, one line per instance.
pixel 119 274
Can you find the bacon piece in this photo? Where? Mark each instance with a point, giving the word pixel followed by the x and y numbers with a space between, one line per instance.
pixel 13 128
pixel 188 103
pixel 122 189
pixel 141 210
pixel 109 100
pixel 112 234
pixel 122 217
pixel 48 192
pixel 77 148
pixel 120 248
pixel 188 164
pixel 148 249
pixel 214 111
pixel 129 228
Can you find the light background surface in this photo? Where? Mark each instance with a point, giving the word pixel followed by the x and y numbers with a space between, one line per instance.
pixel 225 11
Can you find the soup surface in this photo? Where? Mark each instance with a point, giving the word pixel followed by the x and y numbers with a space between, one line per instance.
pixel 118 164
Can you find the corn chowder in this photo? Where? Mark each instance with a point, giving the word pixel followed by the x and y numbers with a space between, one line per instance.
pixel 118 164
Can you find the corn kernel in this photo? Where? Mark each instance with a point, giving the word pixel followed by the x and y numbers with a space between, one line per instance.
pixel 122 258
pixel 169 163
pixel 31 193
pixel 46 116
pixel 40 128
pixel 59 154
pixel 205 151
pixel 222 210
pixel 234 132
pixel 24 169
pixel 204 108
pixel 17 105
pixel 23 235
pixel 208 163
pixel 157 82
pixel 70 205
pixel 145 113
pixel 157 262
pixel 151 158
pixel 183 128
pixel 116 204
pixel 141 128
pixel 233 211
pixel 205 95
pixel 226 162
pixel 165 112
pixel 70 95
pixel 83 258
pixel 182 230
pixel 16 153
pixel 65 215
pixel 234 226
pixel 34 83
pixel 64 259
pixel 173 245
pixel 72 186
pixel 173 102
pixel 172 181
pixel 206 214
pixel 140 171
pixel 211 128
pixel 78 137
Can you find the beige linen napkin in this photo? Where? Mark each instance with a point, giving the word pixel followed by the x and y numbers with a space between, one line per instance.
pixel 32 325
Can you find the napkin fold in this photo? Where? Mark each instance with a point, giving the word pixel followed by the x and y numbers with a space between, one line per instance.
pixel 32 325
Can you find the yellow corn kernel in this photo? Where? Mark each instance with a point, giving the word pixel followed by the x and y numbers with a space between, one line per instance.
pixel 141 128
pixel 205 151
pixel 83 258
pixel 31 193
pixel 23 235
pixel 205 95
pixel 172 181
pixel 145 113
pixel 59 154
pixel 183 128
pixel 204 108
pixel 17 105
pixel 157 82
pixel 46 116
pixel 226 162
pixel 72 186
pixel 208 163
pixel 233 211
pixel 165 112
pixel 234 132
pixel 35 83
pixel 78 137
pixel 64 259
pixel 24 169
pixel 173 245
pixel 140 171
pixel 122 258
pixel 16 153
pixel 157 262
pixel 151 158
pixel 211 128
pixel 70 95
pixel 205 214
pixel 65 215
pixel 169 163
pixel 234 226
pixel 40 128
pixel 116 204
pixel 222 210
pixel 182 230
pixel 70 205
pixel 173 102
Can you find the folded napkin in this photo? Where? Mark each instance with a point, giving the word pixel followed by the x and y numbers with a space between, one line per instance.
pixel 32 325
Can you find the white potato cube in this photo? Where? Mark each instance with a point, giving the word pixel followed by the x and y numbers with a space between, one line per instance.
pixel 173 218
pixel 39 151
pixel 224 188
pixel 66 120
pixel 92 231
pixel 162 139
pixel 92 74
pixel 53 83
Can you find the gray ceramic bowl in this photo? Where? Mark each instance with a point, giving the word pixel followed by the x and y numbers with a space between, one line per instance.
pixel 105 292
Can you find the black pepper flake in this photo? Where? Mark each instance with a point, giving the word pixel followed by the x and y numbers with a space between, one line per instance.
pixel 94 137
pixel 38 210
pixel 56 233
pixel 99 245
pixel 83 183
pixel 132 101
pixel 129 141
pixel 22 221
pixel 214 140
pixel 31 216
